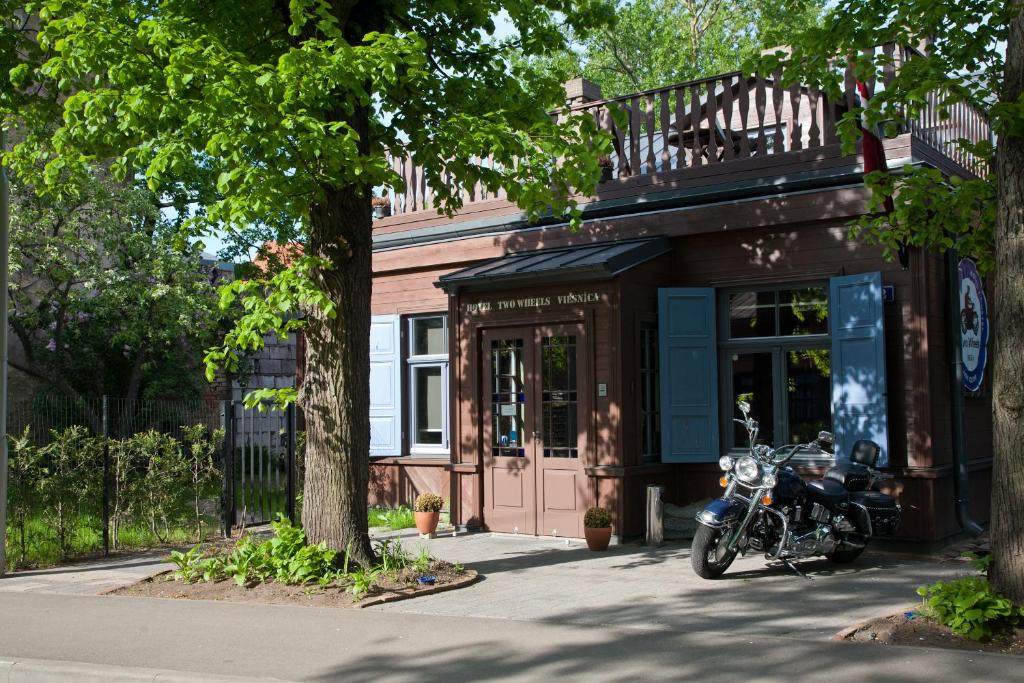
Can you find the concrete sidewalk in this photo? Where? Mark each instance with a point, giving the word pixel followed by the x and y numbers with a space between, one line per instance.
pixel 200 639
pixel 544 608
pixel 92 577
pixel 632 586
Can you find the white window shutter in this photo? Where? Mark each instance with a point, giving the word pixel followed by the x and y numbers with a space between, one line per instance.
pixel 385 386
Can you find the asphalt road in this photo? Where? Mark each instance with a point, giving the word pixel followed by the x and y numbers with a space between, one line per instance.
pixel 305 643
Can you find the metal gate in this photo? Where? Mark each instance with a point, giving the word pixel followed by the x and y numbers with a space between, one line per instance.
pixel 259 464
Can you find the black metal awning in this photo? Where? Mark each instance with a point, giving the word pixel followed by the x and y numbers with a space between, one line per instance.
pixel 566 264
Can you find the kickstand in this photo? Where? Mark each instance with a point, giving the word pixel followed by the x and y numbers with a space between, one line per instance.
pixel 795 570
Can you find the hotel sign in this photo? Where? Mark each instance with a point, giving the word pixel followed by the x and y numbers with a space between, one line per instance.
pixel 973 325
pixel 570 299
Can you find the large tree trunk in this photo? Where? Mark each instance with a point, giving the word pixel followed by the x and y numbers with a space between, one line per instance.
pixel 1008 360
pixel 336 386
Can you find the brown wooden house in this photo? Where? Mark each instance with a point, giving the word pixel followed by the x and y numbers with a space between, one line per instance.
pixel 527 372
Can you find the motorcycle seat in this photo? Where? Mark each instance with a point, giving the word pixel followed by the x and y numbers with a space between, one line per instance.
pixel 826 492
pixel 852 476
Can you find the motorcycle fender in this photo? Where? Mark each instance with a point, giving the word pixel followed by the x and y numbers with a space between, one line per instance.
pixel 720 512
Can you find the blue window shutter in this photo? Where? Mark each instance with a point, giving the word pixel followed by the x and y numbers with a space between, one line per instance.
pixel 858 363
pixel 385 386
pixel 689 375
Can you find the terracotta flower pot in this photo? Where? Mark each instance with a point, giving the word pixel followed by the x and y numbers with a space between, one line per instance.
pixel 598 539
pixel 426 522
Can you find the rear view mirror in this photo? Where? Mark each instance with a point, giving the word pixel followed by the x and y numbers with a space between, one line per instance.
pixel 826 438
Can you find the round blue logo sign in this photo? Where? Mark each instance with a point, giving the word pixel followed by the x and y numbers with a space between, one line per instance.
pixel 973 325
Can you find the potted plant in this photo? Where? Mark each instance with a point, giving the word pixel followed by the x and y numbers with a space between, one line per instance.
pixel 605 163
pixel 428 512
pixel 381 206
pixel 597 528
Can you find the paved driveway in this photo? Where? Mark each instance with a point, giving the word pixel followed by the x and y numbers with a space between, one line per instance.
pixel 633 586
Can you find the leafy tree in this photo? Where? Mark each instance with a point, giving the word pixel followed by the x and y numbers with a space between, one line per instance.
pixel 103 296
pixel 963 61
pixel 659 42
pixel 288 109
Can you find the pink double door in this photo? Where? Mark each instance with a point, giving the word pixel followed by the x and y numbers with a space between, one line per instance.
pixel 536 404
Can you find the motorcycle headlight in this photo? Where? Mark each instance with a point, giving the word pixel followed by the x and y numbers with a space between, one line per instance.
pixel 748 470
pixel 768 480
pixel 725 462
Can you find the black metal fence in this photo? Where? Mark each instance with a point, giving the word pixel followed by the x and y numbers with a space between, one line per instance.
pixel 259 460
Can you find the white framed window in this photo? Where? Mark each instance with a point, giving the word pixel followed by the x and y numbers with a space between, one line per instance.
pixel 427 402
pixel 775 353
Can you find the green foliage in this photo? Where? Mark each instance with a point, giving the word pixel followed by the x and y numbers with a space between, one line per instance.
pixel 422 562
pixel 655 43
pixel 362 580
pixel 264 118
pixel 970 606
pixel 391 554
pixel 104 299
pixel 960 67
pixel 187 563
pixel 286 557
pixel 56 492
pixel 597 518
pixel 429 502
pixel 70 478
pixel 395 519
pixel 199 453
pixel 980 562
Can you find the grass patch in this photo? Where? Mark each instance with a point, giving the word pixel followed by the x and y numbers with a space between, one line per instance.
pixel 42 549
pixel 394 519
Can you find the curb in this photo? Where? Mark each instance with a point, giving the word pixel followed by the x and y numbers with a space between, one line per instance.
pixel 849 630
pixel 413 593
pixel 46 670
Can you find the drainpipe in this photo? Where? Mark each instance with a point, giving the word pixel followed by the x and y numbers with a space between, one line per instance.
pixel 956 398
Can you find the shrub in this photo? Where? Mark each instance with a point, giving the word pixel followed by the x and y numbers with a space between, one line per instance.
pixel 286 558
pixel 71 479
pixel 969 606
pixel 597 518
pixel 429 502
pixel 199 462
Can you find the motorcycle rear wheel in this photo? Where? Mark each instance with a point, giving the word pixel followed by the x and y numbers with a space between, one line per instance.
pixel 845 555
pixel 708 561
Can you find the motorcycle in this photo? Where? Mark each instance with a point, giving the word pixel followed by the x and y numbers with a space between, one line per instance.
pixel 768 508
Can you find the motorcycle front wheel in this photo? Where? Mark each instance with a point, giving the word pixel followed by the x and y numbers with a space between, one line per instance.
pixel 708 559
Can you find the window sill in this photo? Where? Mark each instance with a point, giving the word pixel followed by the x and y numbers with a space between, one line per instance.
pixel 416 460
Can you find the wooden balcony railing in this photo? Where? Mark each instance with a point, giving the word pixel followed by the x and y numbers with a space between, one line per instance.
pixel 720 120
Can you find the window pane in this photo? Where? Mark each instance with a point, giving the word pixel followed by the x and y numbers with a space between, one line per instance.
pixel 808 379
pixel 803 311
pixel 752 314
pixel 428 336
pixel 558 396
pixel 752 382
pixel 508 398
pixel 429 405
pixel 649 436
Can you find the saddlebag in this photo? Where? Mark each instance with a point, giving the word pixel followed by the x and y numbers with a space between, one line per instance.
pixel 882 510
pixel 852 476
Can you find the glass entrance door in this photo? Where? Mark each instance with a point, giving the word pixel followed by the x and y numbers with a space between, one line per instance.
pixel 535 429
pixel 507 362
pixel 562 388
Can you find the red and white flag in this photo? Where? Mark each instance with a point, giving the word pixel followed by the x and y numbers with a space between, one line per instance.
pixel 874 152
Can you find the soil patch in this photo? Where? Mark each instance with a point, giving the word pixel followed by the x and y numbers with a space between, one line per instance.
pixel 388 588
pixel 910 628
